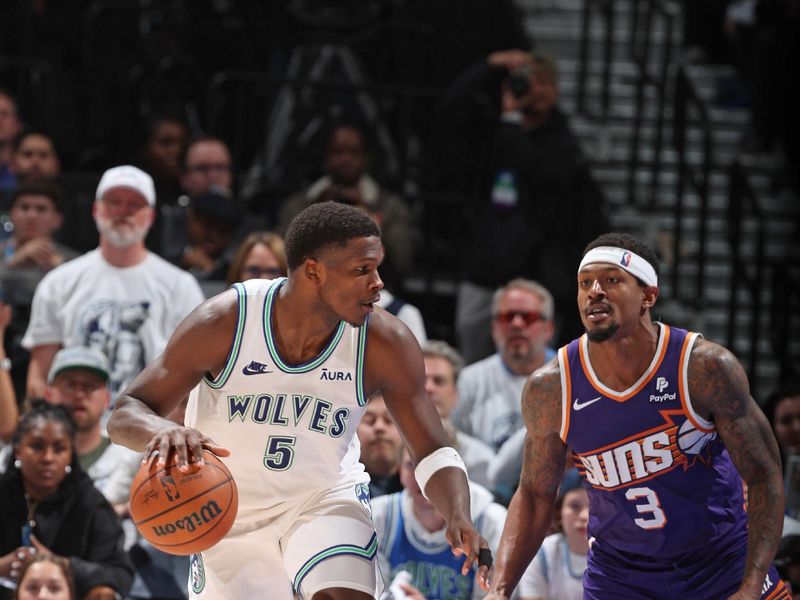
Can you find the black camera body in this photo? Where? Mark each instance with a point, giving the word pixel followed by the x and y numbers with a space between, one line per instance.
pixel 518 82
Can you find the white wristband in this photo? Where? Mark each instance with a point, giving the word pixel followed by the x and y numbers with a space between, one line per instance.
pixel 438 459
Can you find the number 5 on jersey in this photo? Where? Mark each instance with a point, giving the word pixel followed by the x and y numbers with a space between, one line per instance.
pixel 279 453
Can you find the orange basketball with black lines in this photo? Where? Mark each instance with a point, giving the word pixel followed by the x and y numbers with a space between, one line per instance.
pixel 184 513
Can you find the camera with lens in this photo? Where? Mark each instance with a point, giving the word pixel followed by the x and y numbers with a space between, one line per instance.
pixel 518 82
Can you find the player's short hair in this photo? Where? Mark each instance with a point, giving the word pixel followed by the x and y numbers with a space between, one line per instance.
pixel 39 187
pixel 528 285
pixel 323 225
pixel 626 242
pixel 441 349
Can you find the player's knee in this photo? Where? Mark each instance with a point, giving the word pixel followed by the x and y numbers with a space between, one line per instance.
pixel 340 578
pixel 341 594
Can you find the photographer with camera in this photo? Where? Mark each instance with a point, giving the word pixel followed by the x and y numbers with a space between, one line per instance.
pixel 534 204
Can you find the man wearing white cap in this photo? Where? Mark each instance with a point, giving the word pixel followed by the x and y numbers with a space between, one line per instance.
pixel 662 427
pixel 119 298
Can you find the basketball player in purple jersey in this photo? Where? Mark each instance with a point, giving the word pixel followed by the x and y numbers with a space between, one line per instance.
pixel 661 425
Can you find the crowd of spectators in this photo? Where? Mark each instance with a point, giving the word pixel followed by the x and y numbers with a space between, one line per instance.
pixel 92 289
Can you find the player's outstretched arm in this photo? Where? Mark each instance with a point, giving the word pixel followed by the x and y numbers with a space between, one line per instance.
pixel 199 345
pixel 530 512
pixel 719 391
pixel 395 366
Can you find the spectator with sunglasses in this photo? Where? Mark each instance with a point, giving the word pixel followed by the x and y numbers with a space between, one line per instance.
pixel 489 390
pixel 260 256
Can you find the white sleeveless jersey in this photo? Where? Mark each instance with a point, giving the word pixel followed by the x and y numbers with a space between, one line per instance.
pixel 291 429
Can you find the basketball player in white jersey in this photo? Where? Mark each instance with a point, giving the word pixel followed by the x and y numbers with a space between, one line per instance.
pixel 281 372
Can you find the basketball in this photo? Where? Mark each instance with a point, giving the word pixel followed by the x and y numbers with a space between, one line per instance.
pixel 184 513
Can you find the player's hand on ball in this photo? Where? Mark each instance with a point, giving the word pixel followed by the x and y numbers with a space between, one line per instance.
pixel 183 441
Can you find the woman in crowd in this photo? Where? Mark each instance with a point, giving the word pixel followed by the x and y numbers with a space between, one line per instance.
pixel 50 505
pixel 260 256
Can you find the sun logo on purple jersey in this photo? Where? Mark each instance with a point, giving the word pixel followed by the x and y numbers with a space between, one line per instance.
pixel 626 259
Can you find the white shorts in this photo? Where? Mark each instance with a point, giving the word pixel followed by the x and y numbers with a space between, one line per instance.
pixel 324 541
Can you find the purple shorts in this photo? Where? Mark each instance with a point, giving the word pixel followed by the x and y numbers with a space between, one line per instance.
pixel 711 573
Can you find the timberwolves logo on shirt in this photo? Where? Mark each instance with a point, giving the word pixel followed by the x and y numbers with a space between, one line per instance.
pixel 362 493
pixel 197 573
pixel 113 328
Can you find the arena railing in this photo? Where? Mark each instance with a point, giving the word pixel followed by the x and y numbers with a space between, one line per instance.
pixel 648 19
pixel 785 319
pixel 606 11
pixel 745 215
pixel 690 116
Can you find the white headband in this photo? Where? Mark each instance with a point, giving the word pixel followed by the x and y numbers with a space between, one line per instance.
pixel 624 259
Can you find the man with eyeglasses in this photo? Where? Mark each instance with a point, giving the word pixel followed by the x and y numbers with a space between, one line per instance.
pixel 119 298
pixel 207 166
pixel 489 390
pixel 78 379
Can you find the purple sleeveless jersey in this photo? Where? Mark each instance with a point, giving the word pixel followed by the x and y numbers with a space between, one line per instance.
pixel 660 481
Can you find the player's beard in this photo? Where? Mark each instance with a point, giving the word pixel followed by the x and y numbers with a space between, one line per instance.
pixel 602 335
pixel 120 237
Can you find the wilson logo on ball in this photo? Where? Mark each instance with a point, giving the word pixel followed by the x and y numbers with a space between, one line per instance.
pixel 190 522
pixel 184 512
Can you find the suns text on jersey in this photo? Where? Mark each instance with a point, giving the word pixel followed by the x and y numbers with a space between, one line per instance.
pixel 289 410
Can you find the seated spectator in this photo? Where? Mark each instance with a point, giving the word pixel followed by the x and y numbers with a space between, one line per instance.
pixel 260 256
pixel 36 216
pixel 206 168
pixel 381 448
pixel 46 576
pixel 78 379
pixel 782 409
pixel 119 298
pixel 411 537
pixel 406 312
pixel 35 157
pixel 211 220
pixel 489 391
pixel 207 165
pixel 346 180
pixel 165 142
pixel 161 153
pixel 9 410
pixel 10 127
pixel 442 367
pixel 556 572
pixel 25 257
pixel 50 504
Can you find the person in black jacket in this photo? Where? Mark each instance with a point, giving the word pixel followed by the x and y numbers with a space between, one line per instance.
pixel 49 504
pixel 534 203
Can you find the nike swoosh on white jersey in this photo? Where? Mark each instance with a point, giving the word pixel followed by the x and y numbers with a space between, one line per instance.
pixel 578 405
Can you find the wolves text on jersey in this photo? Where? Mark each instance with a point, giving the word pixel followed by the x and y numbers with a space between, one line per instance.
pixel 289 410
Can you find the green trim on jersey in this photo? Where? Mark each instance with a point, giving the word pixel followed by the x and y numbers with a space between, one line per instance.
pixel 361 354
pixel 233 355
pixel 368 553
pixel 273 351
